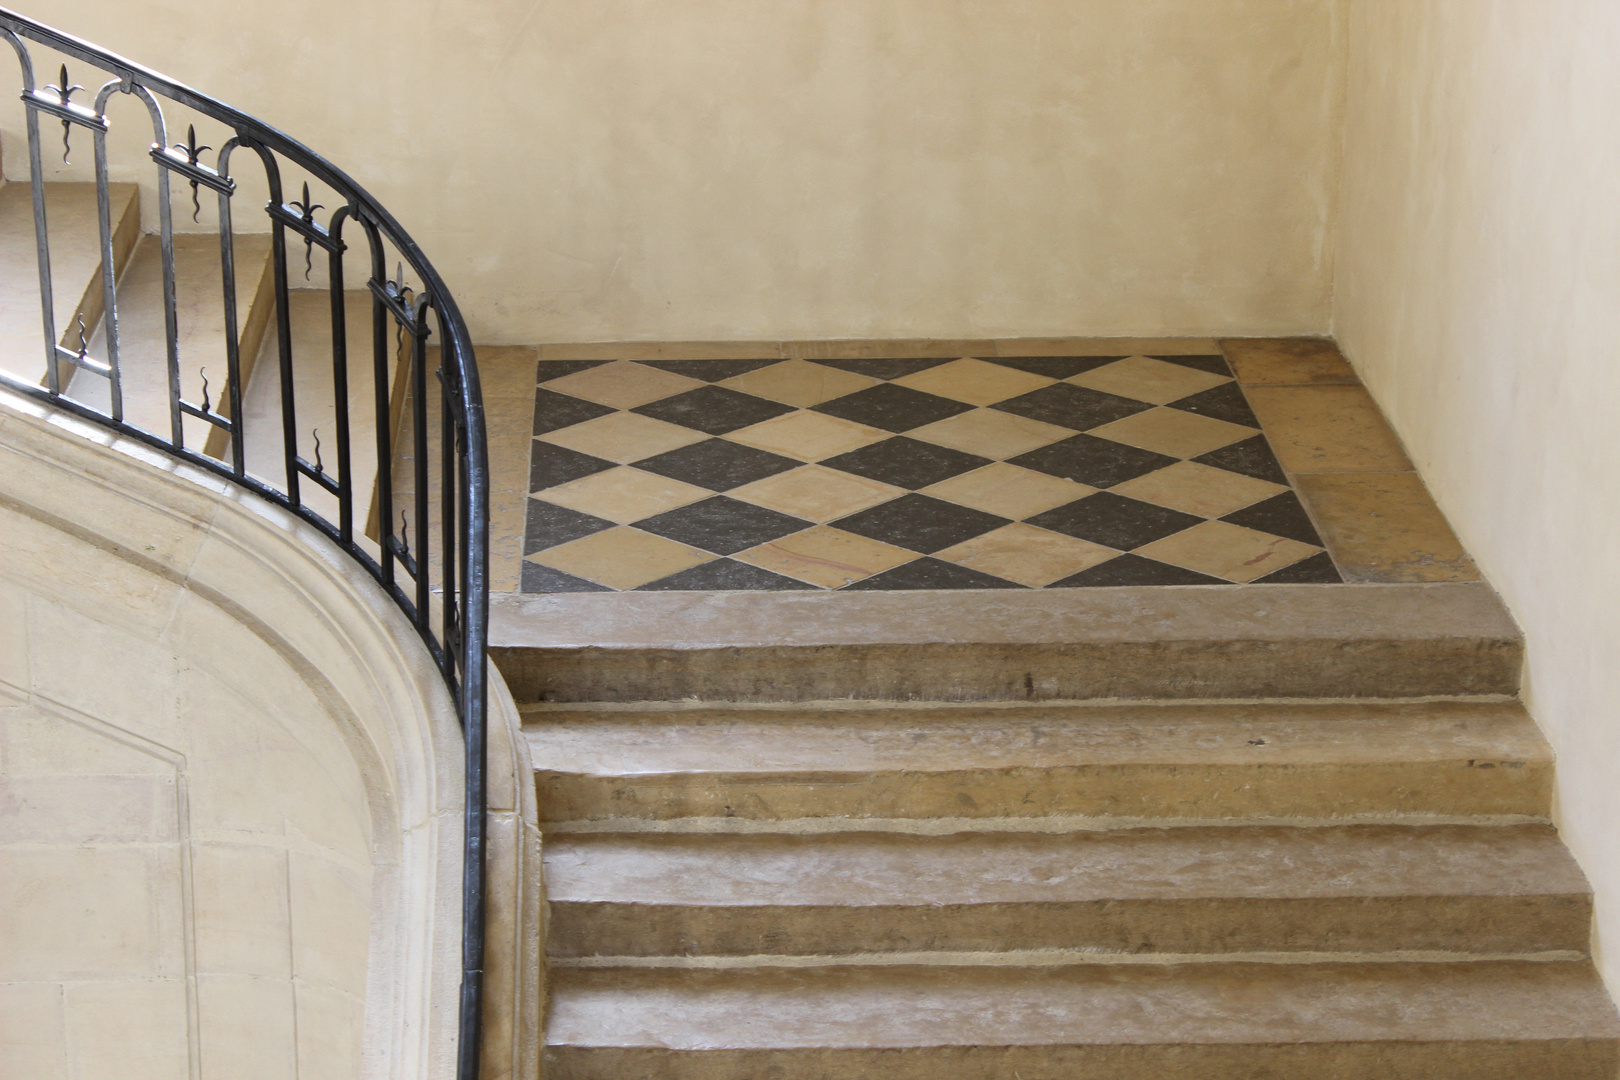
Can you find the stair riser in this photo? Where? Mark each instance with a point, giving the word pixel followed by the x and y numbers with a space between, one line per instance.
pixel 920 672
pixel 1572 1059
pixel 1475 924
pixel 1125 791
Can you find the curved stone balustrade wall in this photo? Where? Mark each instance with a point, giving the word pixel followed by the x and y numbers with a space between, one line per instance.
pixel 230 816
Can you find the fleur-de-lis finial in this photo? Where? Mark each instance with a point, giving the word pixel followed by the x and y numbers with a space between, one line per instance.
pixel 193 152
pixel 64 93
pixel 398 290
pixel 306 211
pixel 316 435
pixel 204 373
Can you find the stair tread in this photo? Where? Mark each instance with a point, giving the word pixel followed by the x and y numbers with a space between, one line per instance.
pixel 887 869
pixel 1206 1003
pixel 862 739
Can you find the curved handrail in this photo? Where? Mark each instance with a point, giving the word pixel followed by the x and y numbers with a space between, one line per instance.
pixel 454 577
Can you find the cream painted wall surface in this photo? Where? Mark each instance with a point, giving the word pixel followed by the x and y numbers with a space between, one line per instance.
pixel 1479 296
pixel 737 169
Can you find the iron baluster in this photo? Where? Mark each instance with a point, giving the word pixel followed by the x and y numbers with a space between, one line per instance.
pixel 233 342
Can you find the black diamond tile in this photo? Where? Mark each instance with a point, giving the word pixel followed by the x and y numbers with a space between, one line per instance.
pixel 920 523
pixel 543 579
pixel 1215 365
pixel 1115 521
pixel 556 369
pixel 723 575
pixel 710 370
pixel 717 464
pixel 552 465
pixel 1053 367
pixel 1071 406
pixel 1316 570
pixel 713 410
pixel 553 411
pixel 906 463
pixel 1135 570
pixel 1087 459
pixel 1223 402
pixel 1280 515
pixel 886 368
pixel 928 573
pixel 721 525
pixel 1251 457
pixel 549 525
pixel 892 408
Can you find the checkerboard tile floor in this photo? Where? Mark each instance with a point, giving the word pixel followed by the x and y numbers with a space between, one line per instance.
pixel 926 473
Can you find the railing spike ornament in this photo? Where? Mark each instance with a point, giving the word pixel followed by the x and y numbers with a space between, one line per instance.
pixel 454 578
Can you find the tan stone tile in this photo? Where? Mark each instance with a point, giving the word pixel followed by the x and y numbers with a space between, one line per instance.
pixel 1142 378
pixel 989 433
pixel 816 493
pixel 799 383
pixel 1009 490
pixel 661 350
pixel 826 556
pixel 1107 347
pixel 623 437
pixel 1198 489
pixel 1257 361
pixel 624 494
pixel 1385 527
pixel 1228 551
pixel 1327 429
pixel 808 436
pixel 507 511
pixel 1171 431
pixel 623 385
pixel 621 558
pixel 503 370
pixel 866 349
pixel 974 381
pixel 1027 555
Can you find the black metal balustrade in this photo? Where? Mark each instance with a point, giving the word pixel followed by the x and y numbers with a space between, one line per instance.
pixel 432 555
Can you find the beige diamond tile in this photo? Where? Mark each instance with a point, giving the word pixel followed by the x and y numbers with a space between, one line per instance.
pixel 826 556
pixel 1027 555
pixel 989 433
pixel 1146 379
pixel 1008 490
pixel 623 385
pixel 1226 550
pixel 808 436
pixel 974 381
pixel 623 437
pixel 1174 432
pixel 1198 489
pixel 621 558
pixel 623 494
pixel 816 493
pixel 799 383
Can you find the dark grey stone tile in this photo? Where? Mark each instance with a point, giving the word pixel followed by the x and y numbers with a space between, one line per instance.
pixel 553 411
pixel 717 464
pixel 1316 570
pixel 886 367
pixel 1215 365
pixel 721 525
pixel 543 579
pixel 548 525
pixel 1053 367
pixel 1115 521
pixel 713 410
pixel 1223 402
pixel 929 573
pixel 920 523
pixel 1071 406
pixel 552 465
pixel 1251 457
pixel 711 370
pixel 1280 515
pixel 892 408
pixel 1086 459
pixel 1134 570
pixel 723 575
pixel 556 369
pixel 907 463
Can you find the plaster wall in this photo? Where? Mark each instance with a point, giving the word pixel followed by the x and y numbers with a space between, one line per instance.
pixel 1479 266
pixel 728 169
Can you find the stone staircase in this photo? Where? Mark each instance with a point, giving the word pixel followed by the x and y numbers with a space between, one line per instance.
pixel 749 880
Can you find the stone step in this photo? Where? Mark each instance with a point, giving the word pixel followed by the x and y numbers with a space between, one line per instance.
pixel 1161 642
pixel 1493 1020
pixel 74 229
pixel 1254 889
pixel 950 767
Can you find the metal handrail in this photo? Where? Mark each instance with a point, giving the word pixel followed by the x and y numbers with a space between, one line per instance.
pixel 404 319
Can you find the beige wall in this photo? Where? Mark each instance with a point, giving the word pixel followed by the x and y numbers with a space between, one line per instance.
pixel 647 169
pixel 1479 295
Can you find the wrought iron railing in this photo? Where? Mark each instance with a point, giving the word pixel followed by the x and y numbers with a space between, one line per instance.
pixel 434 562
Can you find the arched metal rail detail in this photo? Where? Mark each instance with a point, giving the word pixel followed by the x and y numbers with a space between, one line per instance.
pixel 435 570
